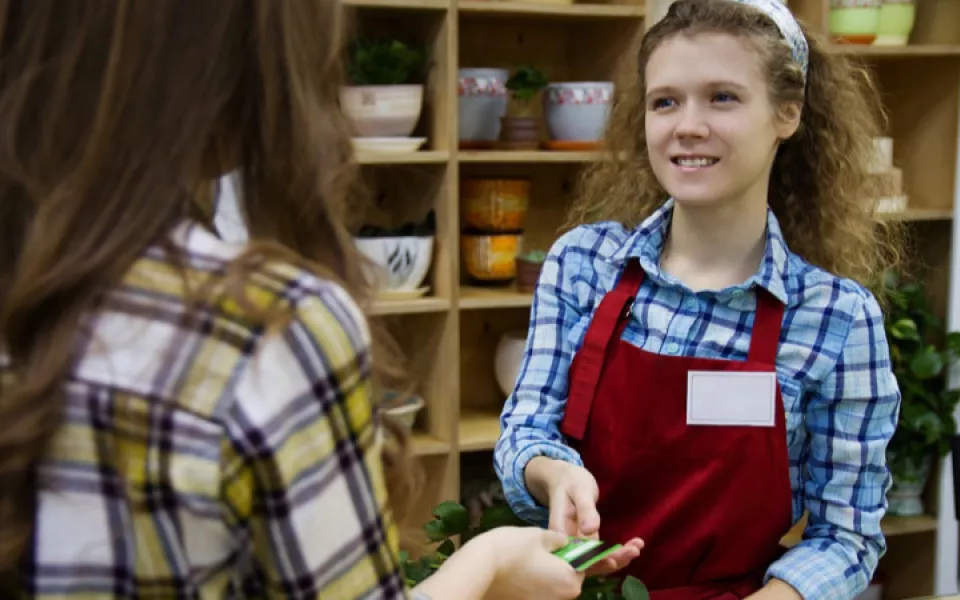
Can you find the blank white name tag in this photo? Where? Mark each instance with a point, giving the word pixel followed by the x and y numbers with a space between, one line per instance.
pixel 731 398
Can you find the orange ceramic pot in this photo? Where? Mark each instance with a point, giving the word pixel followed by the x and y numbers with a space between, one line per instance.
pixel 490 258
pixel 495 205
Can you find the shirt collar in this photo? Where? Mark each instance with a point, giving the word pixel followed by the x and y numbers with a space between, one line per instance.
pixel 645 244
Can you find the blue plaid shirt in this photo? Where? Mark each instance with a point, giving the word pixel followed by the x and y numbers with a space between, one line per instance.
pixel 833 365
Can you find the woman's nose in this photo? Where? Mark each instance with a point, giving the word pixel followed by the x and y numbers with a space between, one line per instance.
pixel 691 123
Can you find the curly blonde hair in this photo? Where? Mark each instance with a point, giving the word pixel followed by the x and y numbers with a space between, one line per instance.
pixel 820 190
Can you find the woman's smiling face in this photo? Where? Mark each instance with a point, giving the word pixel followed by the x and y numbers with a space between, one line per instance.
pixel 712 131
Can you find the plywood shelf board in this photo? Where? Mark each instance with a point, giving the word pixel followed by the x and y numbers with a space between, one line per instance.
pixel 403 158
pixel 525 156
pixel 478 431
pixel 427 5
pixel 909 52
pixel 424 444
pixel 409 307
pixel 544 10
pixel 480 298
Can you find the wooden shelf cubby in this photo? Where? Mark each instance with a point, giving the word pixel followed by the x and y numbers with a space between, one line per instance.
pixel 451 334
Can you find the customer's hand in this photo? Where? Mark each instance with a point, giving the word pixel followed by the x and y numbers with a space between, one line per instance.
pixel 526 566
pixel 571 493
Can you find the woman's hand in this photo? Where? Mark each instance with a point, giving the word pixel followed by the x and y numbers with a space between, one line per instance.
pixel 527 568
pixel 506 563
pixel 571 492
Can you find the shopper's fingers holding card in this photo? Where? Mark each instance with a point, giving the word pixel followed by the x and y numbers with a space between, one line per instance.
pixel 527 566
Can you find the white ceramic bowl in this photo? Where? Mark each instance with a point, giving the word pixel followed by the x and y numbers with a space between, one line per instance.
pixel 506 361
pixel 406 414
pixel 397 263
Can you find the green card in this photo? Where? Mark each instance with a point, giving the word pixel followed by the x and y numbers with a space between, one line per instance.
pixel 583 554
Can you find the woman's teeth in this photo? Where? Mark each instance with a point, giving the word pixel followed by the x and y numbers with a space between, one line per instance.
pixel 695 162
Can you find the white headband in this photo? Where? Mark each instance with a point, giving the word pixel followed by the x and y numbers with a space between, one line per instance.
pixel 788 26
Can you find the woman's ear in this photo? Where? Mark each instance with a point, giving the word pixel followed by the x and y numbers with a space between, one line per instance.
pixel 788 119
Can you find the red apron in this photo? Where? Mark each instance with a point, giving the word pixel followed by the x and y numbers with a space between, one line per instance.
pixel 710 502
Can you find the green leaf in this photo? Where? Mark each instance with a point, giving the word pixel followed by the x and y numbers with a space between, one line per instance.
pixel 905 329
pixel 454 517
pixel 525 82
pixel 416 572
pixel 953 343
pixel 634 589
pixel 498 515
pixel 436 531
pixel 927 363
pixel 386 62
pixel 446 548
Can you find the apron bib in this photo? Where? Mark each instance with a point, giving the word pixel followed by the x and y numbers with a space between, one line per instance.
pixel 710 502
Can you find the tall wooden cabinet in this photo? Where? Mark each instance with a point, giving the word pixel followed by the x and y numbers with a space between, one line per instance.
pixel 450 335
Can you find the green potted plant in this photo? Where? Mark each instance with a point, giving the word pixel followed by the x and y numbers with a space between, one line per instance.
pixel 520 127
pixel 452 520
pixel 921 352
pixel 528 270
pixel 385 95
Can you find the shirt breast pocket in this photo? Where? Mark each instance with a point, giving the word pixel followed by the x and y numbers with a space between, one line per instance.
pixel 791 391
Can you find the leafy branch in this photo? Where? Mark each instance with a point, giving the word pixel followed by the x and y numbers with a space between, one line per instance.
pixel 921 352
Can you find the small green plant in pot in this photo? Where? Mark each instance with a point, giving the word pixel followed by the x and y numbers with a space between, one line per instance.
pixel 921 351
pixel 385 95
pixel 520 127
pixel 452 521
pixel 528 270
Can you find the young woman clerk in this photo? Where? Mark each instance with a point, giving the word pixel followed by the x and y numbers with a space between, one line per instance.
pixel 704 361
pixel 181 417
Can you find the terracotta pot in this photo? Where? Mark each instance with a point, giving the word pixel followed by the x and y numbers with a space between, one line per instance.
pixel 528 273
pixel 520 133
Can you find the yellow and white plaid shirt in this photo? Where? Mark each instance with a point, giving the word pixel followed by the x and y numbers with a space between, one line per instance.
pixel 205 458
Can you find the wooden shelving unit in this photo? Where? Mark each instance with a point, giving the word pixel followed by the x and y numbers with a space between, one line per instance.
pixel 450 335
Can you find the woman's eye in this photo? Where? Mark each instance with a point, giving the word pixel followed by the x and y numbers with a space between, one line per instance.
pixel 724 97
pixel 662 103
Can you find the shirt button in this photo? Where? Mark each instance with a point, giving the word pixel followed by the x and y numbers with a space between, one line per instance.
pixel 690 303
pixel 673 348
pixel 738 294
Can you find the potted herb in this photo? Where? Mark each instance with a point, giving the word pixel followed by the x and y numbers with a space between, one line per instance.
pixel 385 95
pixel 452 520
pixel 528 270
pixel 921 351
pixel 520 127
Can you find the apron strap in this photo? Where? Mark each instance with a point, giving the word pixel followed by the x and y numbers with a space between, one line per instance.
pixel 765 338
pixel 604 330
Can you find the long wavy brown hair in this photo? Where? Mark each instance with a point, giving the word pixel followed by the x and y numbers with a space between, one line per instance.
pixel 820 188
pixel 115 114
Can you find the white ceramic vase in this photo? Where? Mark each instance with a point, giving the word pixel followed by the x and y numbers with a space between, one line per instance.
pixel 383 110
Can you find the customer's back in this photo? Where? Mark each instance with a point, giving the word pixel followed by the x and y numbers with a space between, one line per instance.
pixel 181 417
